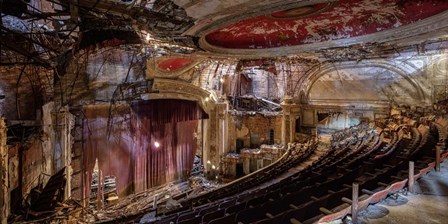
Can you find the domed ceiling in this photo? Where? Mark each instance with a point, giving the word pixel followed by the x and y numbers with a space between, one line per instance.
pixel 322 22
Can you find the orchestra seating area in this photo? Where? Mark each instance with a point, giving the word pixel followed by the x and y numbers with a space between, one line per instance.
pixel 373 155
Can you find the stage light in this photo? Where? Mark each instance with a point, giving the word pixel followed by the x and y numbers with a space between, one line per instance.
pixel 156 144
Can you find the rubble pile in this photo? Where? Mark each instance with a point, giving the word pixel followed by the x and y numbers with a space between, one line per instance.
pixel 200 182
pixel 143 201
pixel 198 168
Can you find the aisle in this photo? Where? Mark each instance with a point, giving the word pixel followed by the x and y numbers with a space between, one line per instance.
pixel 428 204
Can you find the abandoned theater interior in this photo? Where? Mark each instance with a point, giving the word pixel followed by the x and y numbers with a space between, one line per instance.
pixel 223 111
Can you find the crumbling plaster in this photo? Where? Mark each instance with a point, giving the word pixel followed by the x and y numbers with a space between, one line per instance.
pixel 367 81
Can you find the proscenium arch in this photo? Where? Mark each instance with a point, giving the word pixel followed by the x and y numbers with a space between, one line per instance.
pixel 309 79
pixel 173 89
pixel 181 90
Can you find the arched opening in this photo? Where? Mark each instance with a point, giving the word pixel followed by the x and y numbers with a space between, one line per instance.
pixel 360 84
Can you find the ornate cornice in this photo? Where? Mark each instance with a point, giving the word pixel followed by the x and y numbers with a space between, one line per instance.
pixel 172 89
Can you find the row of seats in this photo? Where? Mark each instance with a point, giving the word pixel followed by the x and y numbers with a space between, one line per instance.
pixel 258 200
pixel 296 154
pixel 320 187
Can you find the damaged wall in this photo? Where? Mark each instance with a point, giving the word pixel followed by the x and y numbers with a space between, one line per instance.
pixel 412 79
pixel 253 130
pixel 24 89
pixel 340 121
pixel 93 77
pixel 33 166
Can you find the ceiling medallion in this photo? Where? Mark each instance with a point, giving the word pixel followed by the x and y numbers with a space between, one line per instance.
pixel 302 12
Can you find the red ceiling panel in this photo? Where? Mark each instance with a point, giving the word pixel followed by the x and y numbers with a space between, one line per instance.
pixel 323 22
pixel 173 64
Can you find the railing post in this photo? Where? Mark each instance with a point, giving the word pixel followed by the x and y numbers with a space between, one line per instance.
pixel 411 177
pixel 154 203
pixel 438 157
pixel 355 203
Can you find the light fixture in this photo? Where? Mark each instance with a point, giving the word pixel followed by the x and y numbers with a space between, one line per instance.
pixel 208 162
pixel 157 144
pixel 214 167
pixel 207 99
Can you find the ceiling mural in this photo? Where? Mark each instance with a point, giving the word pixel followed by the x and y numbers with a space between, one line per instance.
pixel 323 22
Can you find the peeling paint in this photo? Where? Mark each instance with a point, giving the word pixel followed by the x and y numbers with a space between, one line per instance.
pixel 345 19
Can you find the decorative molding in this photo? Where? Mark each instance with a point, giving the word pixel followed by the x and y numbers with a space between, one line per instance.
pixel 244 11
pixel 153 70
pixel 172 89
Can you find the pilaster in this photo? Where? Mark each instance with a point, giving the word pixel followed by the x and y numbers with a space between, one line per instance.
pixel 4 184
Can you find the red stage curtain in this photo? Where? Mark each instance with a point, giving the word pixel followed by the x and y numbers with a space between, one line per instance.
pixel 129 152
pixel 171 123
pixel 114 152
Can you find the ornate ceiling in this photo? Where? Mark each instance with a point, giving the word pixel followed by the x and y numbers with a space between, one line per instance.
pixel 224 28
pixel 289 27
pixel 323 22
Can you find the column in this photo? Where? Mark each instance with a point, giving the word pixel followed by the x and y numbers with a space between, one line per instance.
pixel 259 161
pixel 286 121
pixel 48 143
pixel 284 130
pixel 221 108
pixel 292 126
pixel 246 162
pixel 66 145
pixel 4 185
pixel 212 144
